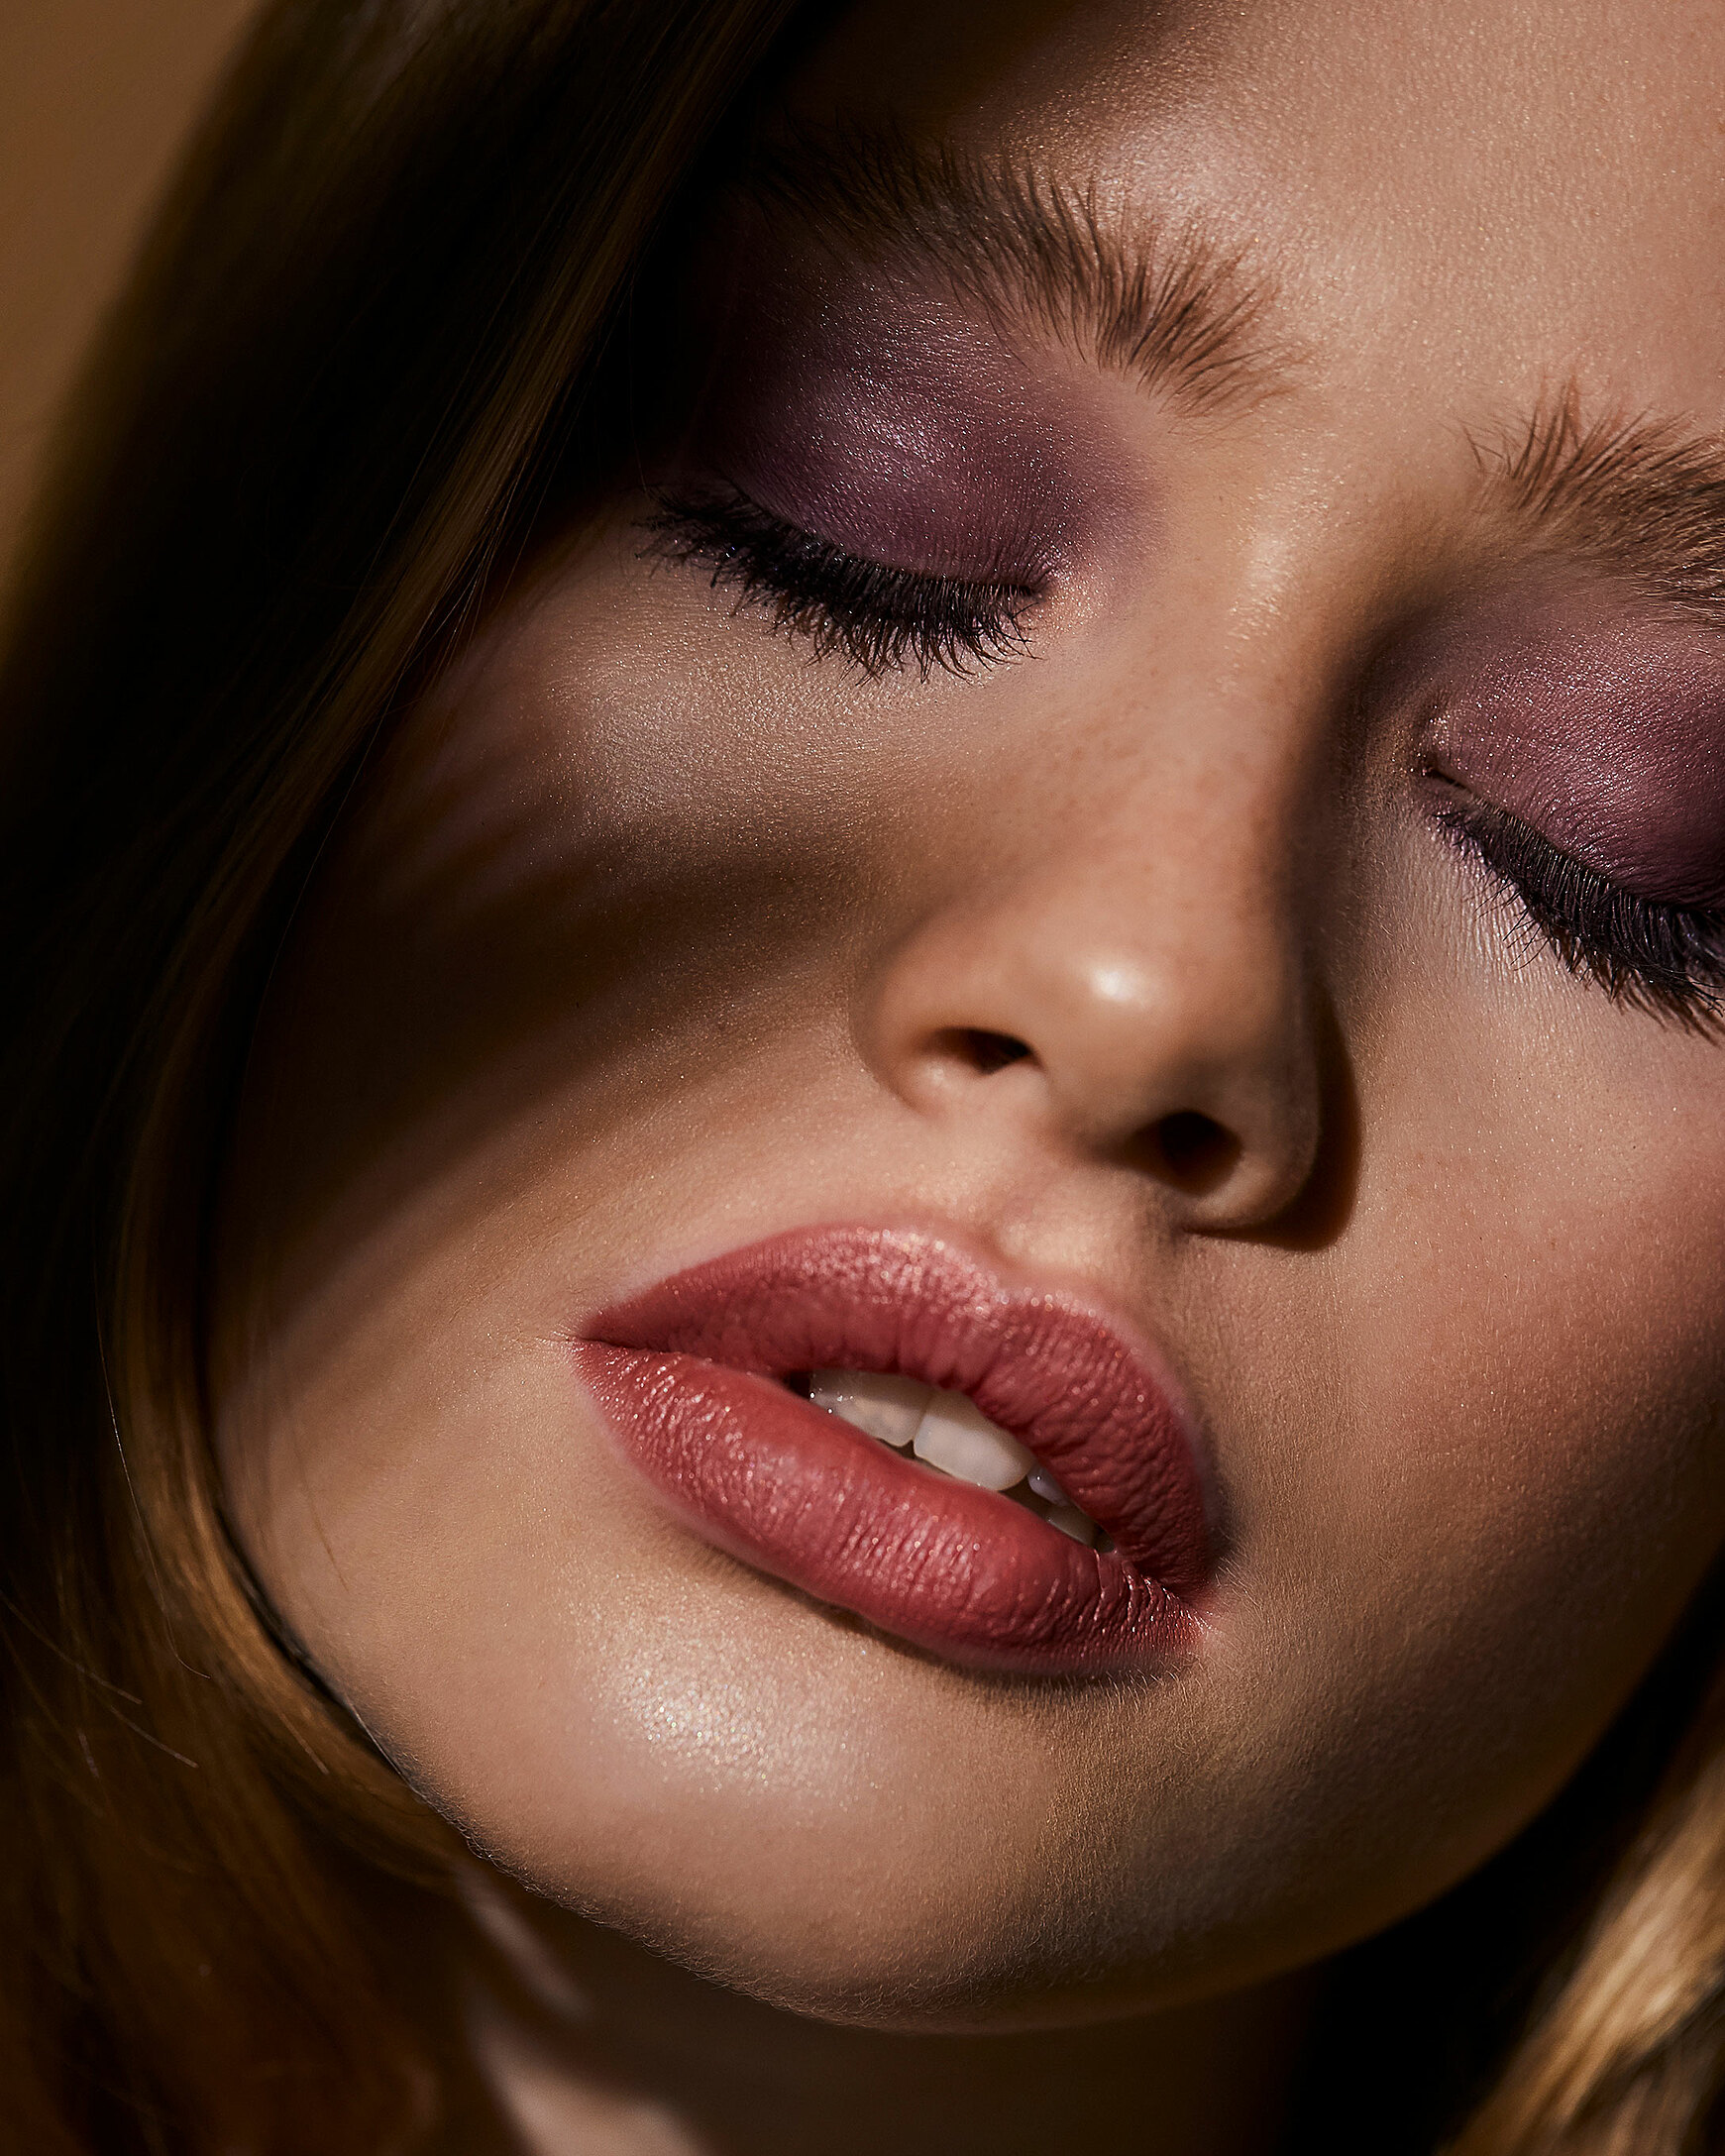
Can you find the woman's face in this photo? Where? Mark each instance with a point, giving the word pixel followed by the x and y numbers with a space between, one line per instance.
pixel 1127 824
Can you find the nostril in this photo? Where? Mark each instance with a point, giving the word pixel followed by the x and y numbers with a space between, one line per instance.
pixel 992 1052
pixel 980 1050
pixel 1194 1150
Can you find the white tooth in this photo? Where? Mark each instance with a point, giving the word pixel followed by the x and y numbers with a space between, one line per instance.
pixel 1044 1486
pixel 957 1436
pixel 888 1408
pixel 1070 1521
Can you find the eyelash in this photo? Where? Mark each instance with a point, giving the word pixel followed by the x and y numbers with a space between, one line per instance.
pixel 879 618
pixel 1647 954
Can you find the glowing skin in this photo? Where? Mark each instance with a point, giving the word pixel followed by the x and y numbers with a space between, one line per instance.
pixel 652 938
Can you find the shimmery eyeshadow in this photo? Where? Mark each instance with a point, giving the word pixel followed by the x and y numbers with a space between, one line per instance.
pixel 1604 728
pixel 878 414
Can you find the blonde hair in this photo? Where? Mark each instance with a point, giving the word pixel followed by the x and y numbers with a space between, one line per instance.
pixel 1626 2054
pixel 370 340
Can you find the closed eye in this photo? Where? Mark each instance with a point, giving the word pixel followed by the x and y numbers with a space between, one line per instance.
pixel 879 618
pixel 1654 954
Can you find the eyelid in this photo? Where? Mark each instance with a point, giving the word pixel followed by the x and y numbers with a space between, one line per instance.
pixel 1650 954
pixel 880 616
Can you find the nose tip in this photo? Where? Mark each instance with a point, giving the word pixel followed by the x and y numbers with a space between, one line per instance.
pixel 1188 1060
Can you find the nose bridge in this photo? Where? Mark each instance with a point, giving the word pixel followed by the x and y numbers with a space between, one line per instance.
pixel 1148 965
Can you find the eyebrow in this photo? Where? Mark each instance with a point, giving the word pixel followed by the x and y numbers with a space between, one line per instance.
pixel 1641 497
pixel 1161 303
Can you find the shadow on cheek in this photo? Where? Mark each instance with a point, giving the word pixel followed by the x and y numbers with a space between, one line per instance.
pixel 421 1013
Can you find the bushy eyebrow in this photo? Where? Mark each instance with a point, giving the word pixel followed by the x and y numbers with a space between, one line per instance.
pixel 1641 497
pixel 1161 303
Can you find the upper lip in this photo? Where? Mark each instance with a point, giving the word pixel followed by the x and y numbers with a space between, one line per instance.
pixel 1095 1407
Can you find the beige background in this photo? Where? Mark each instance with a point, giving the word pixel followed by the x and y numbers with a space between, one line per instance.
pixel 94 96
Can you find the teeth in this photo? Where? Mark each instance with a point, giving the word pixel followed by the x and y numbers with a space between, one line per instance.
pixel 957 1435
pixel 951 1433
pixel 1043 1485
pixel 888 1408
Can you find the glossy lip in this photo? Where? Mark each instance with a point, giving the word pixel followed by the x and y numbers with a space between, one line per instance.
pixel 689 1377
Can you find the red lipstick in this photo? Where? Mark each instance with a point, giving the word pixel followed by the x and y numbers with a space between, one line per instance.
pixel 691 1376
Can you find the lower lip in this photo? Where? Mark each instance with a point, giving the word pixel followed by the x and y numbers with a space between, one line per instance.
pixel 793 1491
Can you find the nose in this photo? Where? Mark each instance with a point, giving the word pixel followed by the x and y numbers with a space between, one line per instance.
pixel 1155 1013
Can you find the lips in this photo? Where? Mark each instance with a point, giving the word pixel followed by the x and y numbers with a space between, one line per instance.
pixel 692 1376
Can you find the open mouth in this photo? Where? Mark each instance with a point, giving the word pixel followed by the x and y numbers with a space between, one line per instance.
pixel 990 1471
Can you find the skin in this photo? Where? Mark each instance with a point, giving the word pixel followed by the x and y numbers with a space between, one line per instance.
pixel 651 934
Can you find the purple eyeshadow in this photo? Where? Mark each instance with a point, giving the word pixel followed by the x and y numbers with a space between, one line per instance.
pixel 1605 729
pixel 881 416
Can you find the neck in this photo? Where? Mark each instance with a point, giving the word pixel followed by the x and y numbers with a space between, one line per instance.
pixel 591 2042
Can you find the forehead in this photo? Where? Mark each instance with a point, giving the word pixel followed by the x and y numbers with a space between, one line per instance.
pixel 1462 202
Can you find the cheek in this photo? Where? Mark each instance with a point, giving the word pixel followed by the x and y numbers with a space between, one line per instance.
pixel 473 1124
pixel 578 886
pixel 1538 1326
pixel 651 1735
pixel 1484 1474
